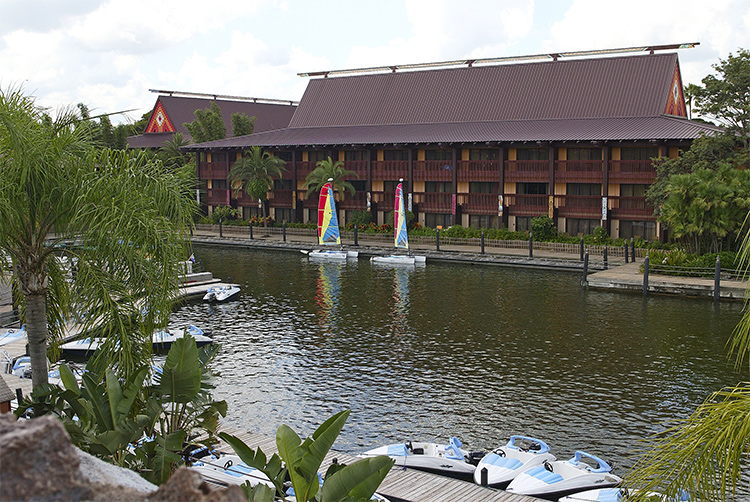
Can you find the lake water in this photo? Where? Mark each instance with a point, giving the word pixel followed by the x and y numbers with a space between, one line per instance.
pixel 476 352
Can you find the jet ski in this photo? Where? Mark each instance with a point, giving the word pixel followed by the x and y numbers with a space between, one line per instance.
pixel 498 468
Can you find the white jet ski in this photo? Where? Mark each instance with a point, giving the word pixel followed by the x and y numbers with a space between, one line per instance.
pixel 553 480
pixel 505 463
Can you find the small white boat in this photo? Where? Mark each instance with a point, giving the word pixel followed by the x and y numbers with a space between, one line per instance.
pixel 328 229
pixel 21 367
pixel 225 470
pixel 505 463
pixel 12 335
pixel 616 495
pixel 448 460
pixel 553 480
pixel 401 237
pixel 221 293
pixel 162 340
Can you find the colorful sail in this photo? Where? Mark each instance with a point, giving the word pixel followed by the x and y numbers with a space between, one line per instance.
pixel 328 223
pixel 399 225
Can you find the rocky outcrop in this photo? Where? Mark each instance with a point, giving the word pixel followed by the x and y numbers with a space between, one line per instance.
pixel 38 462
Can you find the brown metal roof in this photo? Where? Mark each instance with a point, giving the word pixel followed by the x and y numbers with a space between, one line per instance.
pixel 630 86
pixel 181 109
pixel 557 130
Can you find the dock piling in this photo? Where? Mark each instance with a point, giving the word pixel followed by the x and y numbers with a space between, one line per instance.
pixel 221 230
pixel 356 237
pixel 283 231
pixel 251 230
pixel 717 280
pixel 626 251
pixel 581 248
pixel 606 264
pixel 585 280
pixel 645 275
pixel 437 240
pixel 531 244
pixel 632 248
pixel 482 242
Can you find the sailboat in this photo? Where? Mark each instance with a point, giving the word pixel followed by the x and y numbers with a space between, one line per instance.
pixel 328 228
pixel 401 238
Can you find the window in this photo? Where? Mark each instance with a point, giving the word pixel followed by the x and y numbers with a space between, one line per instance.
pixel 219 184
pixel 578 226
pixel 639 152
pixel 438 187
pixel 282 184
pixel 317 155
pixel 638 230
pixel 584 154
pixel 584 189
pixel 284 155
pixel 434 220
pixel 531 188
pixel 359 186
pixel 483 154
pixel 633 190
pixel 249 212
pixel 483 221
pixel 395 154
pixel 443 154
pixel 523 223
pixel 532 153
pixel 482 187
pixel 355 155
pixel 218 157
pixel 390 186
pixel 282 214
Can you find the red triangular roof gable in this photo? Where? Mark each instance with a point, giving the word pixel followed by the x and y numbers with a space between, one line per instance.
pixel 676 100
pixel 159 121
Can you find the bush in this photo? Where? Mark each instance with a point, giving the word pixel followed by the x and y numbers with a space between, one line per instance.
pixel 543 228
pixel 390 216
pixel 358 219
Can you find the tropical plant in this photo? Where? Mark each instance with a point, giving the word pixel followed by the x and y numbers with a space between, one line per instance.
pixel 242 125
pixel 170 154
pixel 302 460
pixel 543 228
pixel 130 423
pixel 704 456
pixel 329 170
pixel 223 214
pixel 254 172
pixel 208 125
pixel 118 217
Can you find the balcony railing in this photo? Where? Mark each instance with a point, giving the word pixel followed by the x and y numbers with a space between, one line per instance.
pixel 579 171
pixel 358 201
pixel 217 196
pixel 213 170
pixel 359 167
pixel 434 202
pixel 433 170
pixel 579 206
pixel 527 205
pixel 527 171
pixel 632 171
pixel 390 170
pixel 478 170
pixel 478 203
pixel 304 168
pixel 386 201
pixel 280 198
pixel 631 208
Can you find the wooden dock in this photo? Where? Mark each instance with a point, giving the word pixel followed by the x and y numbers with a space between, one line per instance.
pixel 402 485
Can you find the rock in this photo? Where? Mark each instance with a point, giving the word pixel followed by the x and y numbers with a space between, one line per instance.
pixel 186 485
pixel 38 461
pixel 95 471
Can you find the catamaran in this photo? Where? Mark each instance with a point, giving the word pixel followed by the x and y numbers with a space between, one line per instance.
pixel 401 238
pixel 328 228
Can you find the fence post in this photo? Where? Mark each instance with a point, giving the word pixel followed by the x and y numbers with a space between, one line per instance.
pixel 626 251
pixel 645 275
pixel 531 244
pixel 221 231
pixel 581 248
pixel 482 241
pixel 585 280
pixel 437 239
pixel 356 237
pixel 283 230
pixel 606 264
pixel 632 248
pixel 251 230
pixel 717 280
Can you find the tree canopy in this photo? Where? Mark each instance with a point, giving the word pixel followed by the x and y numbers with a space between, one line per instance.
pixel 325 170
pixel 242 125
pixel 255 172
pixel 208 125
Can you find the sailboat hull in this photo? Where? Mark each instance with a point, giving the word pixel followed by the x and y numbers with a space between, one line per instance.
pixel 394 260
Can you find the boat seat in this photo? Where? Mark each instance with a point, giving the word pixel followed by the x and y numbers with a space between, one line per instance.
pixel 397 450
pixel 542 474
pixel 503 462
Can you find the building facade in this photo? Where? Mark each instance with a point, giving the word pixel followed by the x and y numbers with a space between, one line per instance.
pixel 484 146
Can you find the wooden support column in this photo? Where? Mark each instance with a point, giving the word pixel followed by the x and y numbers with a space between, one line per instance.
pixel 454 182
pixel 295 201
pixel 501 189
pixel 606 155
pixel 552 151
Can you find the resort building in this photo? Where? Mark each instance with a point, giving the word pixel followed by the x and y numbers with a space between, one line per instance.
pixel 173 109
pixel 483 143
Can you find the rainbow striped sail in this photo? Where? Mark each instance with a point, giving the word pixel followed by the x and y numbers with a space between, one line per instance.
pixel 328 223
pixel 399 225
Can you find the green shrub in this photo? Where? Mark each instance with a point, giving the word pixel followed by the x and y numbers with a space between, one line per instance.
pixel 543 228
pixel 358 219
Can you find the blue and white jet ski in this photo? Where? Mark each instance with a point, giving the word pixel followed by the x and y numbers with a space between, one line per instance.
pixel 553 480
pixel 617 495
pixel 500 466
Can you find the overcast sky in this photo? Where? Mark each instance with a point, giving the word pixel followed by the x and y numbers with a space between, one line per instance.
pixel 108 54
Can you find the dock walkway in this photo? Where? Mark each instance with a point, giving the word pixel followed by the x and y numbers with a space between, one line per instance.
pixel 402 485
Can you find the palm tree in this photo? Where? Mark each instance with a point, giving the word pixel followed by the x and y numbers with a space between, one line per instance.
pixel 255 172
pixel 88 235
pixel 325 170
pixel 704 455
pixel 690 92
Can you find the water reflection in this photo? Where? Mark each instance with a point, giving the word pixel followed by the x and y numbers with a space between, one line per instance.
pixel 475 352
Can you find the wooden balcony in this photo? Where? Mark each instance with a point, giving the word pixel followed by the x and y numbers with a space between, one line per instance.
pixel 527 205
pixel 356 202
pixel 632 171
pixel 579 171
pixel 359 167
pixel 478 203
pixel 478 170
pixel 386 201
pixel 288 172
pixel 433 170
pixel 304 168
pixel 213 170
pixel 579 206
pixel 434 202
pixel 217 196
pixel 390 170
pixel 529 171
pixel 280 198
pixel 630 208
